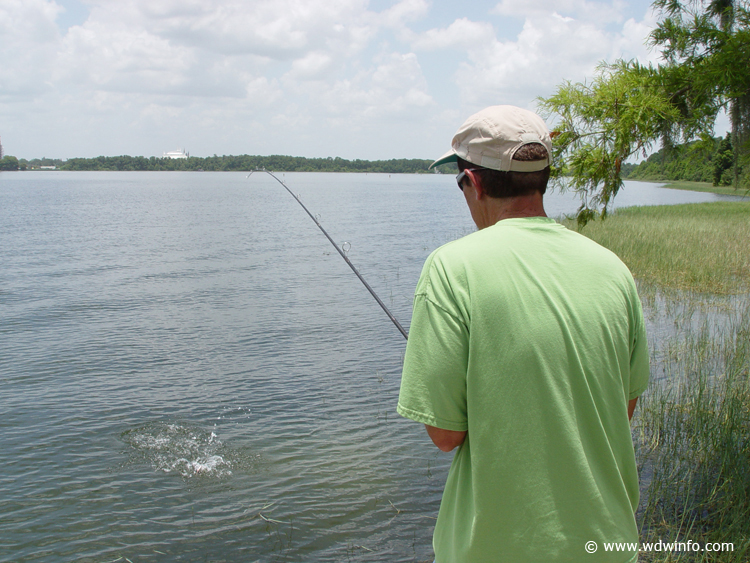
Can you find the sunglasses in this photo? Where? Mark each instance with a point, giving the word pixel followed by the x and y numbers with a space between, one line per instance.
pixel 461 176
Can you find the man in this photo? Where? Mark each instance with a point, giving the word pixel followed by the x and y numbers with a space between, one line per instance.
pixel 527 351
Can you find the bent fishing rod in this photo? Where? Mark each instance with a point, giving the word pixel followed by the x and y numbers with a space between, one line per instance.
pixel 340 251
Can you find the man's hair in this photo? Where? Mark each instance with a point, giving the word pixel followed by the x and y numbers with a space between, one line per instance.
pixel 512 184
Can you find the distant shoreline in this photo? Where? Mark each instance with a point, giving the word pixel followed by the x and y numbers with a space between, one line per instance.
pixel 275 171
pixel 236 163
pixel 695 186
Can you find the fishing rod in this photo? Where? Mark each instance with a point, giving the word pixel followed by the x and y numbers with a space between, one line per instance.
pixel 340 251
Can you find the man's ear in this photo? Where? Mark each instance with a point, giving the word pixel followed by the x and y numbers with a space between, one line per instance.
pixel 476 180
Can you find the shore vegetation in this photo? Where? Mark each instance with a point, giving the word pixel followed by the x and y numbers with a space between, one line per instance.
pixel 706 187
pixel 240 163
pixel 693 247
pixel 707 160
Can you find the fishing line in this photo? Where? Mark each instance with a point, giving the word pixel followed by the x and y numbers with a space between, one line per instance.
pixel 341 252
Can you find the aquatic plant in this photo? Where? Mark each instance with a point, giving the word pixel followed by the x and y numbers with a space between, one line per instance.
pixel 693 439
pixel 697 247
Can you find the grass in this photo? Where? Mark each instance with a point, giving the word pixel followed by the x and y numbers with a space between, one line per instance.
pixel 692 426
pixel 705 187
pixel 702 187
pixel 694 247
pixel 693 441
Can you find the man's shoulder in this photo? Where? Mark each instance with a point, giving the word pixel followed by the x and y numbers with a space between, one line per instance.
pixel 540 232
pixel 535 244
pixel 534 236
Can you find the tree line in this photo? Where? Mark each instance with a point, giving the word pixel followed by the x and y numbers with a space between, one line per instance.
pixel 699 161
pixel 240 163
pixel 8 162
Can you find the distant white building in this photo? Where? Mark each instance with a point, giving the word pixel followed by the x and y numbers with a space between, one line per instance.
pixel 176 154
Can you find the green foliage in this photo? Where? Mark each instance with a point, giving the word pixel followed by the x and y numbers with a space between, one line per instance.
pixel 707 160
pixel 9 163
pixel 247 162
pixel 601 124
pixel 627 107
pixel 723 161
pixel 709 44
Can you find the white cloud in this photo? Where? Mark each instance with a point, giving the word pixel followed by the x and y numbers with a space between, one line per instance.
pixel 276 29
pixel 224 76
pixel 312 66
pixel 462 33
pixel 28 43
pixel 558 41
pixel 394 87
pixel 398 16
pixel 599 12
pixel 31 19
pixel 118 58
pixel 405 11
pixel 633 40
pixel 209 48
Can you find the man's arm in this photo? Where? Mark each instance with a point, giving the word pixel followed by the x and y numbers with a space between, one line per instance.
pixel 445 440
pixel 631 407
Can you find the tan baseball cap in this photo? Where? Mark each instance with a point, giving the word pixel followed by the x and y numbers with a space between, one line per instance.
pixel 491 137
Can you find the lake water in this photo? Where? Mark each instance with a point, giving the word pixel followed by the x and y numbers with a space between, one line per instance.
pixel 190 372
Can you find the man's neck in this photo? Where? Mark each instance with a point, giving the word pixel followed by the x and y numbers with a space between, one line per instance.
pixel 497 209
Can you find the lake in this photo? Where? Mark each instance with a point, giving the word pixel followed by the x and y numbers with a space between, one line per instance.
pixel 190 372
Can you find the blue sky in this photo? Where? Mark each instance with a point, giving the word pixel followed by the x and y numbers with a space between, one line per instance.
pixel 364 79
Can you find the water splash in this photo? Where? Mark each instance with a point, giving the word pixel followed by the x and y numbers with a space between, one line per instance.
pixel 179 448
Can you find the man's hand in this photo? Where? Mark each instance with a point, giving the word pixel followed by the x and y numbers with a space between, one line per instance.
pixel 445 440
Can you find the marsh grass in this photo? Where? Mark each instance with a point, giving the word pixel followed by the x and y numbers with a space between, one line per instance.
pixel 704 187
pixel 693 247
pixel 692 434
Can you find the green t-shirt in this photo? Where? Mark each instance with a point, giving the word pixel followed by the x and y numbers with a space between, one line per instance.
pixel 531 338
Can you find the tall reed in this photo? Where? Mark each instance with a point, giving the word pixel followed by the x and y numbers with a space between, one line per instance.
pixel 695 247
pixel 693 439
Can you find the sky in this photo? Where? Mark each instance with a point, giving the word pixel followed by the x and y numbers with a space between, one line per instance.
pixel 375 79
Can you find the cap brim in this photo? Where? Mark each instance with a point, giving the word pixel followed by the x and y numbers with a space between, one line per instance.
pixel 450 156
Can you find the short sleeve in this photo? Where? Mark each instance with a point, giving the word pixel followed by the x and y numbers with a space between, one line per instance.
pixel 639 358
pixel 433 383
